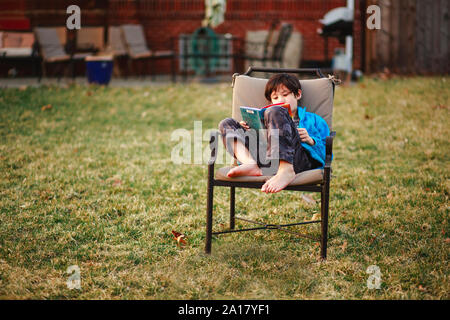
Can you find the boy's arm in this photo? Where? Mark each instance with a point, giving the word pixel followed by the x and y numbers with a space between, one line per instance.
pixel 318 131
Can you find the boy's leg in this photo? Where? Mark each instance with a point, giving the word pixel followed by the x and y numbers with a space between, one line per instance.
pixel 277 118
pixel 233 135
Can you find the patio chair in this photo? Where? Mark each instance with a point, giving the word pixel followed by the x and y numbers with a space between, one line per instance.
pixel 17 47
pixel 137 49
pixel 116 47
pixel 90 39
pixel 271 50
pixel 52 50
pixel 318 97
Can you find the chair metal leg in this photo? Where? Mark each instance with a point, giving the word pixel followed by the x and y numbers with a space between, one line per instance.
pixel 172 69
pixel 209 210
pixel 232 207
pixel 325 198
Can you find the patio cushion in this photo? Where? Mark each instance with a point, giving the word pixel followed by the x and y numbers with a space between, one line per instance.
pixel 51 47
pixel 314 176
pixel 115 42
pixel 16 52
pixel 90 37
pixel 317 96
pixel 12 40
pixel 16 44
pixel 135 40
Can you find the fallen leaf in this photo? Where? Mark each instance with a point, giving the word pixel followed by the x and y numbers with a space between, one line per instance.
pixel 447 240
pixel 344 246
pixel 315 217
pixel 179 237
pixel 372 238
pixel 308 199
pixel 117 182
pixel 46 107
pixel 439 106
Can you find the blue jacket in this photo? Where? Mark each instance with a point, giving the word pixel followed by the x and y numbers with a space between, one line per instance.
pixel 318 130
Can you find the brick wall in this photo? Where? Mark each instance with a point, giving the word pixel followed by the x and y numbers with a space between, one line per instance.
pixel 166 19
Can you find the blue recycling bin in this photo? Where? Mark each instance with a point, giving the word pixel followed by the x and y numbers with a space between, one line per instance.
pixel 99 69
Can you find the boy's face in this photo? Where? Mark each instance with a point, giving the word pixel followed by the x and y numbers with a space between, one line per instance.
pixel 283 95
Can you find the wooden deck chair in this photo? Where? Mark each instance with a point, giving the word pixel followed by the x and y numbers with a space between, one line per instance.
pixel 317 97
pixel 52 50
pixel 134 38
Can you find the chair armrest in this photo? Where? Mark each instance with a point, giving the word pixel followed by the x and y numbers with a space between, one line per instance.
pixel 329 149
pixel 213 146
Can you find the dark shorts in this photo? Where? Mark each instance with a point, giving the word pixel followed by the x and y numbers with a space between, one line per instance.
pixel 280 141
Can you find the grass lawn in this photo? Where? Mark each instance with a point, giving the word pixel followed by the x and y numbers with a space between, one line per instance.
pixel 89 181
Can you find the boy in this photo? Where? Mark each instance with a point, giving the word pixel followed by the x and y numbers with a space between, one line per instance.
pixel 301 138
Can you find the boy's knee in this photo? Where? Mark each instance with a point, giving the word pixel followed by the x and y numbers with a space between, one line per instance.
pixel 275 111
pixel 228 123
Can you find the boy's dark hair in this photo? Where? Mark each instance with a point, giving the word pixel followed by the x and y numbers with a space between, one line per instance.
pixel 290 81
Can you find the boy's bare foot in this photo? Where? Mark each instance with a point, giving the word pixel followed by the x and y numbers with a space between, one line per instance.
pixel 278 182
pixel 250 169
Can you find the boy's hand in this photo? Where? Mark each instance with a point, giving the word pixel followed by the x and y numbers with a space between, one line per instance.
pixel 244 125
pixel 304 136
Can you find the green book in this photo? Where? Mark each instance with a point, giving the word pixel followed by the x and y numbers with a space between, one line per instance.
pixel 255 116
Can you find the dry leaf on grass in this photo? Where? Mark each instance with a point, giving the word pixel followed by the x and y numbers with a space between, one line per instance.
pixel 46 107
pixel 315 217
pixel 117 182
pixel 439 106
pixel 308 199
pixel 179 237
pixel 344 246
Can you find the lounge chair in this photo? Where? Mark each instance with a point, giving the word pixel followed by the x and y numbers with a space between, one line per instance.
pixel 52 50
pixel 318 97
pixel 116 47
pixel 137 49
pixel 271 50
pixel 17 47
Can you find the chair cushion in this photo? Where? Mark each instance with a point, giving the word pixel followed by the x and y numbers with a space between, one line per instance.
pixel 90 37
pixel 314 176
pixel 163 53
pixel 134 37
pixel 50 44
pixel 115 41
pixel 16 52
pixel 317 96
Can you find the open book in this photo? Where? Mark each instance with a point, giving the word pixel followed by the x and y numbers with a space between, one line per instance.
pixel 254 117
